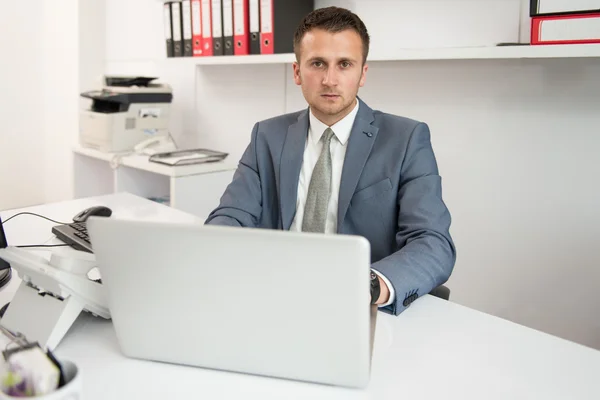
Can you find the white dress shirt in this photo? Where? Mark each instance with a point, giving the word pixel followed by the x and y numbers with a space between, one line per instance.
pixel 312 150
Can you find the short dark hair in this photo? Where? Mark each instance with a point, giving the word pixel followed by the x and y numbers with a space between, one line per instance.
pixel 332 19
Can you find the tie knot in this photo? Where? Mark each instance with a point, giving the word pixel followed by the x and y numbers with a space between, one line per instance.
pixel 327 135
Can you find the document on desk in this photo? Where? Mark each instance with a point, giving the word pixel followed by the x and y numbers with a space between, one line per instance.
pixel 187 157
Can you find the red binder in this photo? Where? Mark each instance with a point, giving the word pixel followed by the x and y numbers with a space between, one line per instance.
pixel 207 40
pixel 566 29
pixel 241 30
pixel 278 22
pixel 266 27
pixel 196 28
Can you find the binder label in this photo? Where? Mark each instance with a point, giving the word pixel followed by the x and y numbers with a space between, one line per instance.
pixel 254 16
pixel 238 17
pixel 206 18
pixel 187 20
pixel 570 29
pixel 266 13
pixel 227 18
pixel 167 21
pixel 177 21
pixel 196 26
pixel 216 19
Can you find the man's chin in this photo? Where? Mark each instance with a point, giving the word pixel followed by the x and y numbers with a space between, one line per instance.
pixel 329 107
pixel 330 111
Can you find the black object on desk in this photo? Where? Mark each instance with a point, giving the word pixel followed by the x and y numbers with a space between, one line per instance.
pixel 76 234
pixel 5 270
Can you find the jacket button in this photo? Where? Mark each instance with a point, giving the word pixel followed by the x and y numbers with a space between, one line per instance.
pixel 410 299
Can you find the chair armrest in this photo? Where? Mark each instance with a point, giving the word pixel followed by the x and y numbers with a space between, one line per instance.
pixel 442 292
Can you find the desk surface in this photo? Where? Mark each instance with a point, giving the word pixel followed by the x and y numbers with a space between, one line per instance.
pixel 434 350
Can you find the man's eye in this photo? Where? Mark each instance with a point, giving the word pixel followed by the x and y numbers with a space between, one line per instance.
pixel 318 64
pixel 345 64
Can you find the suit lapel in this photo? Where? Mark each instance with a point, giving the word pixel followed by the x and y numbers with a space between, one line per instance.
pixel 360 143
pixel 291 163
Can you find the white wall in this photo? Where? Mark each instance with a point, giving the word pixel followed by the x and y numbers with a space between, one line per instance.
pixel 135 46
pixel 516 142
pixel 60 95
pixel 74 39
pixel 21 113
pixel 55 49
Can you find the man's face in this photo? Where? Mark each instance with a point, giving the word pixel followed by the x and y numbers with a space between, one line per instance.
pixel 330 71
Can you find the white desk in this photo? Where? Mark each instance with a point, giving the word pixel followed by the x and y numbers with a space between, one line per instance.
pixel 434 350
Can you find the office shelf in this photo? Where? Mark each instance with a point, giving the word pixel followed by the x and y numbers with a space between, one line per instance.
pixel 141 162
pixel 195 189
pixel 462 53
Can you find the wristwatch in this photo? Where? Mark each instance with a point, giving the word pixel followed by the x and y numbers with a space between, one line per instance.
pixel 375 288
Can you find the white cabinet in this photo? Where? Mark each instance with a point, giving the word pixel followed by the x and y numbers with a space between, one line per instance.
pixel 195 189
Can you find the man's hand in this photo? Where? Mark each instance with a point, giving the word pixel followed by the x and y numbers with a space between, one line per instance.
pixel 384 294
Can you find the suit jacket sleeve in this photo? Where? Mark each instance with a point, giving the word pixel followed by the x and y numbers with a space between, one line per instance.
pixel 426 253
pixel 241 204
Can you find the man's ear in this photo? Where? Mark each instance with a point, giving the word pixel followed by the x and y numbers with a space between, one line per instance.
pixel 363 76
pixel 296 68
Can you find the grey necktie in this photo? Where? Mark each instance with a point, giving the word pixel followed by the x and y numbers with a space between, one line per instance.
pixel 319 190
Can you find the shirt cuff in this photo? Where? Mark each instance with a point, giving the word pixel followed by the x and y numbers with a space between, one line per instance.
pixel 390 287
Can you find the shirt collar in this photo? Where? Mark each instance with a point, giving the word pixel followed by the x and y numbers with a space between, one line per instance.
pixel 341 129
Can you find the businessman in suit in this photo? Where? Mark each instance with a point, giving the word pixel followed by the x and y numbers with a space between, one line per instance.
pixel 341 167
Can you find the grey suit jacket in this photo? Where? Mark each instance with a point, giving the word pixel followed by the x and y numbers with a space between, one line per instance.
pixel 390 193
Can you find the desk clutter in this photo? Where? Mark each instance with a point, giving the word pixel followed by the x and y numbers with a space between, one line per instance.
pixel 130 115
pixel 27 370
pixel 200 28
pixel 187 157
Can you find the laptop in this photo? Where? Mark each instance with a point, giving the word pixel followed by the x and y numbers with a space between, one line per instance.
pixel 281 304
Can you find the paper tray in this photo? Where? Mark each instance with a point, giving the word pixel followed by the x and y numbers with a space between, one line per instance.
pixel 188 157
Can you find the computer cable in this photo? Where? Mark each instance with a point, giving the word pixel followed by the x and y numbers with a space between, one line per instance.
pixel 37 215
pixel 43 245
pixel 41 216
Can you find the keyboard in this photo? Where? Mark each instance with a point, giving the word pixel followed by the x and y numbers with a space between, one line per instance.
pixel 75 235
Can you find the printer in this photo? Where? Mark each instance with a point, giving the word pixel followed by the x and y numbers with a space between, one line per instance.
pixel 127 110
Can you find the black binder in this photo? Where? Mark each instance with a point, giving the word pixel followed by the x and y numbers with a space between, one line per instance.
pixel 186 26
pixel 168 29
pixel 217 27
pixel 254 11
pixel 177 29
pixel 227 27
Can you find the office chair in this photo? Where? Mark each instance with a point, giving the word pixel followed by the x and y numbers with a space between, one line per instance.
pixel 443 292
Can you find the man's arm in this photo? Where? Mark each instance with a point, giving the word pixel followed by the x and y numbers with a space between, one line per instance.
pixel 426 254
pixel 241 204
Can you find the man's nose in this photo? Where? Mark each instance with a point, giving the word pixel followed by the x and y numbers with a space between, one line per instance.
pixel 330 78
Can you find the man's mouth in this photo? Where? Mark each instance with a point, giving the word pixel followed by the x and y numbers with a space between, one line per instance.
pixel 330 96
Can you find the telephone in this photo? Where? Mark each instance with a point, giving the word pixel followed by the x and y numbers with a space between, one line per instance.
pixel 155 145
pixel 52 293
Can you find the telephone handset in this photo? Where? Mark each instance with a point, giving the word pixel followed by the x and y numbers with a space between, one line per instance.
pixel 155 145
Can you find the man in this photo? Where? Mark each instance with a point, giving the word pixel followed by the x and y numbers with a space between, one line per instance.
pixel 340 167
